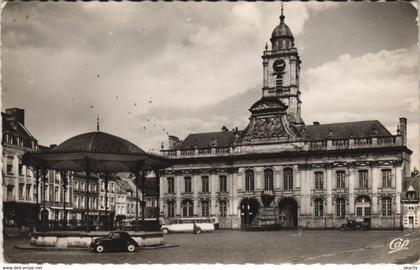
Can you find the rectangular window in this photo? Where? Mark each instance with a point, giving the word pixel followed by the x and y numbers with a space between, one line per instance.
pixel 171 185
pixel 28 192
pixel 319 180
pixel 21 192
pixel 363 179
pixel 187 184
pixel 34 193
pixel 102 202
pixel 340 207
pixel 223 208
pixel 20 169
pixel 10 169
pixel 367 211
pixel 386 178
pixel 10 192
pixel 359 211
pixel 171 209
pixel 386 207
pixel 57 194
pixel 205 209
pixel 204 184
pixel 319 208
pixel 223 183
pixel 340 179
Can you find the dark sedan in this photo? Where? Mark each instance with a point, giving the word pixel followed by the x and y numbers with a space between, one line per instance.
pixel 114 241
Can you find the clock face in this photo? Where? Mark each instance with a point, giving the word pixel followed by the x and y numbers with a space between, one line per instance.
pixel 279 65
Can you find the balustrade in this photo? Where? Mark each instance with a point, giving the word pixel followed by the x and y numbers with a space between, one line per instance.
pixel 326 144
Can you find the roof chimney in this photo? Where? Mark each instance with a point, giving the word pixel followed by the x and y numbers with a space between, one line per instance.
pixel 316 123
pixel 16 114
pixel 403 130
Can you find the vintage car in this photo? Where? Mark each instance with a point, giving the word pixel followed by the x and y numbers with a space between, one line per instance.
pixel 114 241
pixel 352 225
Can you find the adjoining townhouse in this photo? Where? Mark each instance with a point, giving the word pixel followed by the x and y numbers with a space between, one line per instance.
pixel 411 201
pixel 278 170
pixel 19 185
pixel 52 198
pixel 80 186
pixel 117 199
pixel 130 187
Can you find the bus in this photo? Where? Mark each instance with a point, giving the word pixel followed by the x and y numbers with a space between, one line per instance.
pixel 192 224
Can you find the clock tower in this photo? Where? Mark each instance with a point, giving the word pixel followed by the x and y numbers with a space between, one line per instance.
pixel 281 66
pixel 276 116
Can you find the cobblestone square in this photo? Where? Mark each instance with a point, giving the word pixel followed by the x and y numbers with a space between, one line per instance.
pixel 238 247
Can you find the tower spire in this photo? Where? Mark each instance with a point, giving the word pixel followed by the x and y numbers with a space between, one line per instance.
pixel 281 16
pixel 97 122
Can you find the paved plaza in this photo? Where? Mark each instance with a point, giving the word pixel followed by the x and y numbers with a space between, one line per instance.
pixel 238 247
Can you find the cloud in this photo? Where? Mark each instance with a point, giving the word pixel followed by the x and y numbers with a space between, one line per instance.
pixel 198 63
pixel 381 86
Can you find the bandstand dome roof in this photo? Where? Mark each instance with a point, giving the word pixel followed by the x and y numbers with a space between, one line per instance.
pixel 98 142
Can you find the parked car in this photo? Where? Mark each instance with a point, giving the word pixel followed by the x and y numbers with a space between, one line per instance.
pixel 352 225
pixel 114 241
pixel 195 225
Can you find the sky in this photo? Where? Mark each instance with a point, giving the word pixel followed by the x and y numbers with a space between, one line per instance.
pixel 152 69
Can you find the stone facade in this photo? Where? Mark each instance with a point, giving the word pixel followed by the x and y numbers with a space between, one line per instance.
pixel 279 170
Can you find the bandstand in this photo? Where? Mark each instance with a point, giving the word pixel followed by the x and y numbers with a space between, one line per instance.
pixel 97 153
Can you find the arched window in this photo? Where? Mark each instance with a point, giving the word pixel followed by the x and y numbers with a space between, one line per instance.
pixel 288 179
pixel 340 204
pixel 187 208
pixel 249 180
pixel 386 206
pixel 319 207
pixel 171 209
pixel 205 208
pixel 223 208
pixel 268 179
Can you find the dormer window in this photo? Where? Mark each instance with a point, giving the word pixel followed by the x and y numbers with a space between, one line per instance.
pixel 411 195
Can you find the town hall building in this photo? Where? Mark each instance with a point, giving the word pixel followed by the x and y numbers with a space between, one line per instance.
pixel 279 170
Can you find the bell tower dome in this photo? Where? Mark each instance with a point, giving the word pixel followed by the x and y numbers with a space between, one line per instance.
pixel 282 37
pixel 281 67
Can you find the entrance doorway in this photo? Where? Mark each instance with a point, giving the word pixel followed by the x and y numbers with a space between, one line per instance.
pixel 363 206
pixel 249 209
pixel 288 213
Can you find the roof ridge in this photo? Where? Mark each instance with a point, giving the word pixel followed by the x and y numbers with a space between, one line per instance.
pixel 25 129
pixel 337 123
pixel 211 132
